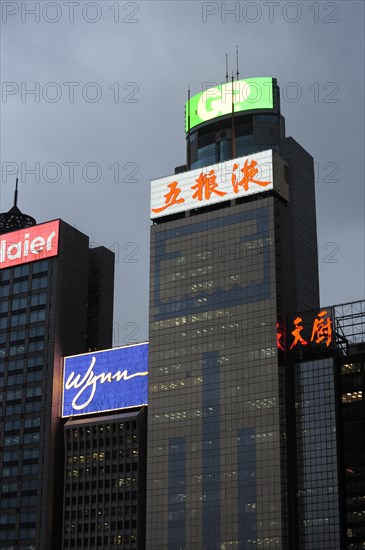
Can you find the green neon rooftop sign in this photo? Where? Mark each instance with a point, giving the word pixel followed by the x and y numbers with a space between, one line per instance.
pixel 249 94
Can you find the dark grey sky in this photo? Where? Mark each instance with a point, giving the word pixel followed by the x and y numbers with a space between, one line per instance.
pixel 140 57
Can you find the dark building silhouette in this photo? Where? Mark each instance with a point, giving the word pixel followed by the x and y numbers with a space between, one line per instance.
pixel 47 277
pixel 100 298
pixel 350 388
pixel 105 481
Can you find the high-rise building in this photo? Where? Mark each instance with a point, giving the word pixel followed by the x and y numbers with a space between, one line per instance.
pixel 105 476
pixel 44 294
pixel 256 425
pixel 350 391
pixel 105 466
pixel 323 352
pixel 233 253
pixel 307 347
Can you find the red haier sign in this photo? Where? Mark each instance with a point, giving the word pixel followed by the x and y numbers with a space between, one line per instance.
pixel 29 245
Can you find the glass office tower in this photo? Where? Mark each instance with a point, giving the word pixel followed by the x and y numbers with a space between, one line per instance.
pixel 43 316
pixel 220 400
pixel 350 371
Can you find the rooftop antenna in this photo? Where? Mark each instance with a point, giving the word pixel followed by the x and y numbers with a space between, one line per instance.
pixel 14 219
pixel 233 131
pixel 189 139
pixel 237 73
pixel 227 77
pixel 16 193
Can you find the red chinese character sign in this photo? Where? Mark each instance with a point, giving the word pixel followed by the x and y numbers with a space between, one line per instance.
pixel 307 330
pixel 297 338
pixel 280 337
pixel 322 329
pixel 212 184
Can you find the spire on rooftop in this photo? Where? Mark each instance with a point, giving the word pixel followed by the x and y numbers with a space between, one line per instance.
pixel 14 219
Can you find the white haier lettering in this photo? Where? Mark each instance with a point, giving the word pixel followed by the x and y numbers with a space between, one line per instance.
pixel 24 248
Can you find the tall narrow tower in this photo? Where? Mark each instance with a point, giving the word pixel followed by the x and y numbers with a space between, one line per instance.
pixel 45 281
pixel 233 249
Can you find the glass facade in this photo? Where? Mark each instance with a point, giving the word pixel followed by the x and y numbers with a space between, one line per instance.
pixel 214 477
pixel 43 315
pixel 317 475
pixel 352 387
pixel 253 133
pixel 23 316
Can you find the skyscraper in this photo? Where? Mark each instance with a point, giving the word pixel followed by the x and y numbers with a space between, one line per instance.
pixel 105 463
pixel 44 286
pixel 233 252
pixel 350 404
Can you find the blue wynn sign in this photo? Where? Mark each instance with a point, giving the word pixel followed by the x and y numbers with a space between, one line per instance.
pixel 105 380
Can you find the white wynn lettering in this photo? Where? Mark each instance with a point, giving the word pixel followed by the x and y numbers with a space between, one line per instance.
pixel 90 380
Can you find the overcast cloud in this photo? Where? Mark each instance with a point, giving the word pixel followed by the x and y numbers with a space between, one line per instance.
pixel 140 57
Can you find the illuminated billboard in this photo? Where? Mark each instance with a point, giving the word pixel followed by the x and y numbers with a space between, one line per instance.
pixel 105 380
pixel 29 245
pixel 248 94
pixel 308 330
pixel 213 184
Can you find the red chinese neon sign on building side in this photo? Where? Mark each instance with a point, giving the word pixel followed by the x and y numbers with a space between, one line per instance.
pixel 316 332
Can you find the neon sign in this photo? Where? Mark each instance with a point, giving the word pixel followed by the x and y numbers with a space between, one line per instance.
pixel 29 245
pixel 248 94
pixel 202 187
pixel 314 331
pixel 105 380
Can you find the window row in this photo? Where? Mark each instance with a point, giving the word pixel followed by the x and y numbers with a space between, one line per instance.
pixel 23 286
pixel 20 319
pixel 100 498
pixel 24 270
